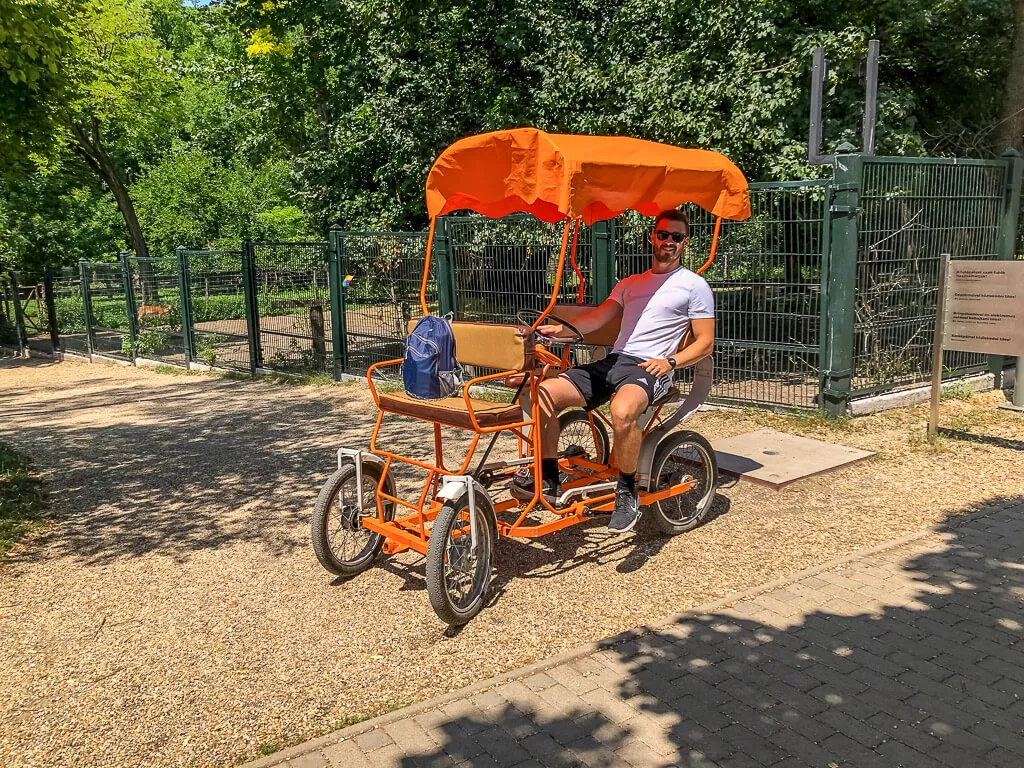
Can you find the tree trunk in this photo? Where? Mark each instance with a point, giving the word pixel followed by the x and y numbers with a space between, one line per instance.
pixel 1010 132
pixel 89 145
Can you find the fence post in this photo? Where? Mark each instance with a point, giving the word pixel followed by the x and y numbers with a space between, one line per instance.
pixel 1008 222
pixel 51 308
pixel 130 301
pixel 443 268
pixel 252 309
pixel 839 304
pixel 603 233
pixel 90 343
pixel 19 315
pixel 185 298
pixel 339 330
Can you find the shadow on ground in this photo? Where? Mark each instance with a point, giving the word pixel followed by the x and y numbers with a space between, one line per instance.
pixel 171 469
pixel 932 679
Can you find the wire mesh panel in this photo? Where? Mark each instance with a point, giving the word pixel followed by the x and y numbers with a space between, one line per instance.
pixel 70 308
pixel 108 305
pixel 220 330
pixel 156 288
pixel 766 279
pixel 28 289
pixel 293 298
pixel 382 273
pixel 913 210
pixel 10 330
pixel 502 266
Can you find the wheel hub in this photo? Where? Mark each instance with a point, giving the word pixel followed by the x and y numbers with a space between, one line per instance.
pixel 350 517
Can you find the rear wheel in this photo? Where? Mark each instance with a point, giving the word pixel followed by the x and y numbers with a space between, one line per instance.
pixel 341 543
pixel 459 575
pixel 683 456
pixel 576 438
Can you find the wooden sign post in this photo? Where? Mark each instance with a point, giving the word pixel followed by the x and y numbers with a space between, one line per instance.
pixel 980 309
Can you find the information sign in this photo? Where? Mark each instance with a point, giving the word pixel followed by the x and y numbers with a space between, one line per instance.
pixel 984 307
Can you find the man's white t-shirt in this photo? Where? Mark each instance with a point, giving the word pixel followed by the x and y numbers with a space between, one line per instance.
pixel 657 310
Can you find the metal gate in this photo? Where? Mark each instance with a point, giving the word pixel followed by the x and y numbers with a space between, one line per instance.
pixel 289 306
pixel 105 300
pixel 378 277
pixel 216 290
pixel 913 210
pixel 156 308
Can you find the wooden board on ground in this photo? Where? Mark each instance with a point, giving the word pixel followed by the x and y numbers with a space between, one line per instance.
pixel 776 459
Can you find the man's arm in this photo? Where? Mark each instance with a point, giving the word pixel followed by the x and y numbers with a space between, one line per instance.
pixel 703 344
pixel 607 312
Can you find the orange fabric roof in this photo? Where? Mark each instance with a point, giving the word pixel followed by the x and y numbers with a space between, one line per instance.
pixel 557 176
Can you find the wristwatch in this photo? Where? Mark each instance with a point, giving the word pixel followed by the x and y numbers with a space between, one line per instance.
pixel 671 361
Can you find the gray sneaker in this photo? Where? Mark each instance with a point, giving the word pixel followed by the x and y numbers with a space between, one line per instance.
pixel 627 510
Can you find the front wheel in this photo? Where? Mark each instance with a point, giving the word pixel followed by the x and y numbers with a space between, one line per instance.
pixel 459 575
pixel 341 543
pixel 681 456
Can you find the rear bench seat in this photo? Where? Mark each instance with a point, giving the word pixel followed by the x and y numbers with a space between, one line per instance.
pixel 484 345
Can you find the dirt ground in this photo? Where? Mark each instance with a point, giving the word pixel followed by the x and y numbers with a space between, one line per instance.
pixel 174 614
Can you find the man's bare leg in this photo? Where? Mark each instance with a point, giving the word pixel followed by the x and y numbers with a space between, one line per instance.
pixel 554 396
pixel 627 405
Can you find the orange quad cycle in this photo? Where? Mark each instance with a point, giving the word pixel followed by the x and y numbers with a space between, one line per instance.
pixel 460 512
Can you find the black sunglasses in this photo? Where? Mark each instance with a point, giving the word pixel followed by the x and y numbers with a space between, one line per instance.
pixel 664 234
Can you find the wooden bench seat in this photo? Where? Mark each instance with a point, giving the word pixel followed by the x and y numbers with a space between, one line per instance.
pixel 452 410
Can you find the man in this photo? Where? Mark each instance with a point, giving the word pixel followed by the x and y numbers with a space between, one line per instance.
pixel 656 309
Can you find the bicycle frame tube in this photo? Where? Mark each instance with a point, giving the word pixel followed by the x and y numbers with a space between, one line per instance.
pixel 714 245
pixel 558 277
pixel 426 267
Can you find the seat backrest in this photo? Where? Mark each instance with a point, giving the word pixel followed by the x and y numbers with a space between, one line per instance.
pixel 491 345
pixel 606 335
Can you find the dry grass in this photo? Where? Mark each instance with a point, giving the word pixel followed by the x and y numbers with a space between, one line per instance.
pixel 175 615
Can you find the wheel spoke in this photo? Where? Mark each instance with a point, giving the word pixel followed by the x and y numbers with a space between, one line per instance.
pixel 348 539
pixel 686 463
pixel 460 570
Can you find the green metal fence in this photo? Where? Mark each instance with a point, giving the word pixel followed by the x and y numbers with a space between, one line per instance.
pixel 289 306
pixel 913 210
pixel 498 267
pixel 377 284
pixel 68 309
pixel 214 284
pixel 156 309
pixel 107 309
pixel 826 293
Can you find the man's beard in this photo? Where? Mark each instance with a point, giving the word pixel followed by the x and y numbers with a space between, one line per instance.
pixel 664 257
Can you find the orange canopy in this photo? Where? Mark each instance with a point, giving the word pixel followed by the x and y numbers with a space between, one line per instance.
pixel 593 178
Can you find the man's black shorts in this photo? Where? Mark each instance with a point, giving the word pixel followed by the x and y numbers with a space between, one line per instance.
pixel 597 382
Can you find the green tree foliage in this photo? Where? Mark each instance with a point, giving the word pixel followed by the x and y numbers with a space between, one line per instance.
pixel 381 86
pixel 192 200
pixel 34 40
pixel 277 118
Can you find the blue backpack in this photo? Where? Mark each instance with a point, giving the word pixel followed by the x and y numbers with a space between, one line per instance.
pixel 430 370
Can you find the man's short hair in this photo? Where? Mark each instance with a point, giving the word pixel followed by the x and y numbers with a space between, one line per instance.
pixel 674 215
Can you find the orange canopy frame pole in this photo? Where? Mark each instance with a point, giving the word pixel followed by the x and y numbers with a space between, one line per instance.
pixel 575 266
pixel 714 244
pixel 426 266
pixel 558 277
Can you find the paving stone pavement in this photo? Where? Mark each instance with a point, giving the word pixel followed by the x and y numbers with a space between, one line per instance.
pixel 910 654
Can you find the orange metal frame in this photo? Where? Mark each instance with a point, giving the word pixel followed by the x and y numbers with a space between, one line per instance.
pixel 410 531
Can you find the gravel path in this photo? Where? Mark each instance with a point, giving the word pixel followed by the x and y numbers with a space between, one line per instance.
pixel 174 613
